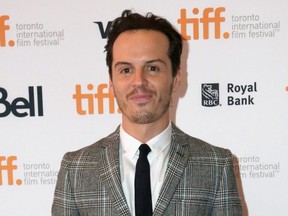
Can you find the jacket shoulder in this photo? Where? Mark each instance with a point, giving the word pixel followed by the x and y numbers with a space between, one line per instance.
pixel 90 152
pixel 199 147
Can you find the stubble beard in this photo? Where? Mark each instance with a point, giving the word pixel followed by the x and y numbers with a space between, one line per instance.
pixel 145 116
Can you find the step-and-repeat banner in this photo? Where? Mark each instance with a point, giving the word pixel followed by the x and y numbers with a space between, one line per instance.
pixel 55 97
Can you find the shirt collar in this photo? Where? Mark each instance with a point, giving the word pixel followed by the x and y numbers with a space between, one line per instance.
pixel 157 144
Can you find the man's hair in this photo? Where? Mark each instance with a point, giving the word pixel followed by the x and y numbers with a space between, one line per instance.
pixel 134 21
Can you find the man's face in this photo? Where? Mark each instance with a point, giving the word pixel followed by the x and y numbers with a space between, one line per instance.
pixel 142 76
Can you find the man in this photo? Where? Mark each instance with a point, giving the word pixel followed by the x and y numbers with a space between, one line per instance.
pixel 187 175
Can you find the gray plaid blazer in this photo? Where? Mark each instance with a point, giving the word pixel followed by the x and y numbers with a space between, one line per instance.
pixel 199 181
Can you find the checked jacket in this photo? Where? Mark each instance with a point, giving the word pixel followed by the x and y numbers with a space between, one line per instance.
pixel 199 181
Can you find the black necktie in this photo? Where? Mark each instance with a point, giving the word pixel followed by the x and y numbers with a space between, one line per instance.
pixel 143 201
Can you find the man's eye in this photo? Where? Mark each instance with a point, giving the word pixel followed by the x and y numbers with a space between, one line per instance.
pixel 152 68
pixel 126 70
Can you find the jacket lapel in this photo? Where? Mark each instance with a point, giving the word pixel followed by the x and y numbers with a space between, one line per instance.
pixel 111 173
pixel 178 158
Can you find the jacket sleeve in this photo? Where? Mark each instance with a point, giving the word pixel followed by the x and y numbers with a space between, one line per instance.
pixel 227 201
pixel 64 203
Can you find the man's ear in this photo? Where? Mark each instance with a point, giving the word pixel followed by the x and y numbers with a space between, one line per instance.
pixel 111 86
pixel 110 82
pixel 177 80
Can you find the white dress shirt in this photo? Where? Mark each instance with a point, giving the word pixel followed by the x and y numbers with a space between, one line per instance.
pixel 158 159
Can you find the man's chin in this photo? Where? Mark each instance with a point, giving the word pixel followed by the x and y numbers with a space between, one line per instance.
pixel 142 117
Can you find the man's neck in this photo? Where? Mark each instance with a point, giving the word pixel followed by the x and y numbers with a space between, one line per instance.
pixel 145 132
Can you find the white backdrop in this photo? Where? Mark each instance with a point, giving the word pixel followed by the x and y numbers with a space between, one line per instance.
pixel 53 80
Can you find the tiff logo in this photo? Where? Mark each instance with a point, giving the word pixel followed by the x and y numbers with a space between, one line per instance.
pixel 211 19
pixel 104 33
pixel 4 27
pixel 6 165
pixel 210 94
pixel 85 102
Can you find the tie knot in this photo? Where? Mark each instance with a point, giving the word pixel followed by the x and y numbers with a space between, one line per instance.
pixel 144 150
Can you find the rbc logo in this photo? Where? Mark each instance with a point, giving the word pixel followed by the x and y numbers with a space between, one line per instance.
pixel 210 94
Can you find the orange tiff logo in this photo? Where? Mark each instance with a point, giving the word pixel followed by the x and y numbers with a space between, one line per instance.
pixel 211 20
pixel 85 102
pixel 6 165
pixel 4 27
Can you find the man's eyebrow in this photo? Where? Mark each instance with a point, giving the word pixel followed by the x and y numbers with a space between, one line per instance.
pixel 124 63
pixel 121 64
pixel 156 60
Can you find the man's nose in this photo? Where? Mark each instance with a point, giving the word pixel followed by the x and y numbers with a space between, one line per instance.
pixel 140 78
